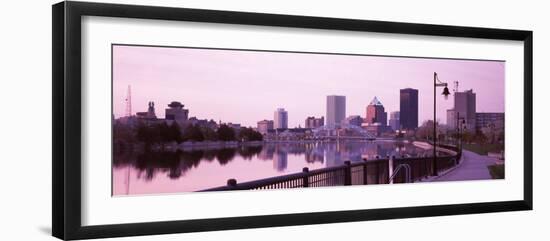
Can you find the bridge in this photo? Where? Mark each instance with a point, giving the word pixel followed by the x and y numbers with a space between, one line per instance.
pixel 341 132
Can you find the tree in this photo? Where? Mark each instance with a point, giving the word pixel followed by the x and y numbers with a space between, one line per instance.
pixel 123 137
pixel 193 133
pixel 175 132
pixel 123 132
pixel 209 134
pixel 467 136
pixel 147 134
pixel 164 132
pixel 426 131
pixel 480 137
pixel 249 134
pixel 226 133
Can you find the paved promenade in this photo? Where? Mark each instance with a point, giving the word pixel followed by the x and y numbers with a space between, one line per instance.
pixel 472 167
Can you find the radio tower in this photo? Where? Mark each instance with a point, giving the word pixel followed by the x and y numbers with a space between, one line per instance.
pixel 129 102
pixel 456 87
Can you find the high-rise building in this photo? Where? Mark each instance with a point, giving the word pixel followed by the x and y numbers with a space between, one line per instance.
pixel 376 113
pixel 336 110
pixel 394 120
pixel 280 119
pixel 264 126
pixel 312 122
pixel 176 112
pixel 408 108
pixel 354 120
pixel 464 107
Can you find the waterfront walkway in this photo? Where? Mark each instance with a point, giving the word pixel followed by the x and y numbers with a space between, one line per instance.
pixel 472 167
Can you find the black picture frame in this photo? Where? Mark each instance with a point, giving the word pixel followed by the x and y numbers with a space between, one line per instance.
pixel 67 134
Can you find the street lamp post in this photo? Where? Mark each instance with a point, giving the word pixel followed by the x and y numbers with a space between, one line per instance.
pixel 446 93
pixel 460 121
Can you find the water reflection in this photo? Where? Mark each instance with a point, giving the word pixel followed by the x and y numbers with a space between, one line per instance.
pixel 191 170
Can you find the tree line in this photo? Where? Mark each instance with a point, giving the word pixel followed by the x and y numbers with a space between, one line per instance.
pixel 484 135
pixel 164 133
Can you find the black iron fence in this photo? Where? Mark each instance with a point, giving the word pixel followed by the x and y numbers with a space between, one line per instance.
pixel 365 172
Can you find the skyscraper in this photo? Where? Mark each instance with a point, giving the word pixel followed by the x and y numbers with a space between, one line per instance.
pixel 376 113
pixel 394 120
pixel 408 108
pixel 464 107
pixel 280 119
pixel 336 110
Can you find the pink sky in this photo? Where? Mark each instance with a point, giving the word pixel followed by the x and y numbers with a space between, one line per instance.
pixel 248 86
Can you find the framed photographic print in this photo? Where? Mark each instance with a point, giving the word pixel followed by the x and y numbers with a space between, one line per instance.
pixel 217 120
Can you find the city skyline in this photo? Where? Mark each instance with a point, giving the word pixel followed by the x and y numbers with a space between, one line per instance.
pixel 250 85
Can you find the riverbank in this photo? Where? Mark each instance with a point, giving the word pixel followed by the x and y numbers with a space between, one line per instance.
pixel 209 145
pixel 428 146
pixel 484 149
pixel 204 145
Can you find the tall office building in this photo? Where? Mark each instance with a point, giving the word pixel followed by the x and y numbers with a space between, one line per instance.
pixel 376 113
pixel 464 107
pixel 394 120
pixel 280 119
pixel 408 108
pixel 336 110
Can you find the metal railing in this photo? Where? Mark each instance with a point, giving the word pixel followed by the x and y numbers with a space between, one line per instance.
pixel 364 172
pixel 406 168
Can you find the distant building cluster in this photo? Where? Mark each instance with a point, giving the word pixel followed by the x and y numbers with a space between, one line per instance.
pixel 264 126
pixel 312 122
pixel 375 121
pixel 354 120
pixel 394 121
pixel 489 120
pixel 465 115
pixel 174 113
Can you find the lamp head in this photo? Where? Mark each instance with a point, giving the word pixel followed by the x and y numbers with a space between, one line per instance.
pixel 446 92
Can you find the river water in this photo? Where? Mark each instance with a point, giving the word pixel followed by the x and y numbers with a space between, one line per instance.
pixel 187 171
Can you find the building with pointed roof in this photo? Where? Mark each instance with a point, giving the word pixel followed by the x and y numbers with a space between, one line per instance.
pixel 375 101
pixel 376 113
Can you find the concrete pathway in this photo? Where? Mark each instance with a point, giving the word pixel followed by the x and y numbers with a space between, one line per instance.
pixel 472 167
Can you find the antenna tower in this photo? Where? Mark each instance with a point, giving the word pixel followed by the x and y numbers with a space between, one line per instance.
pixel 129 102
pixel 455 90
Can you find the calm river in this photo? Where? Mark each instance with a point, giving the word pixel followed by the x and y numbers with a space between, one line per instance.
pixel 186 171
